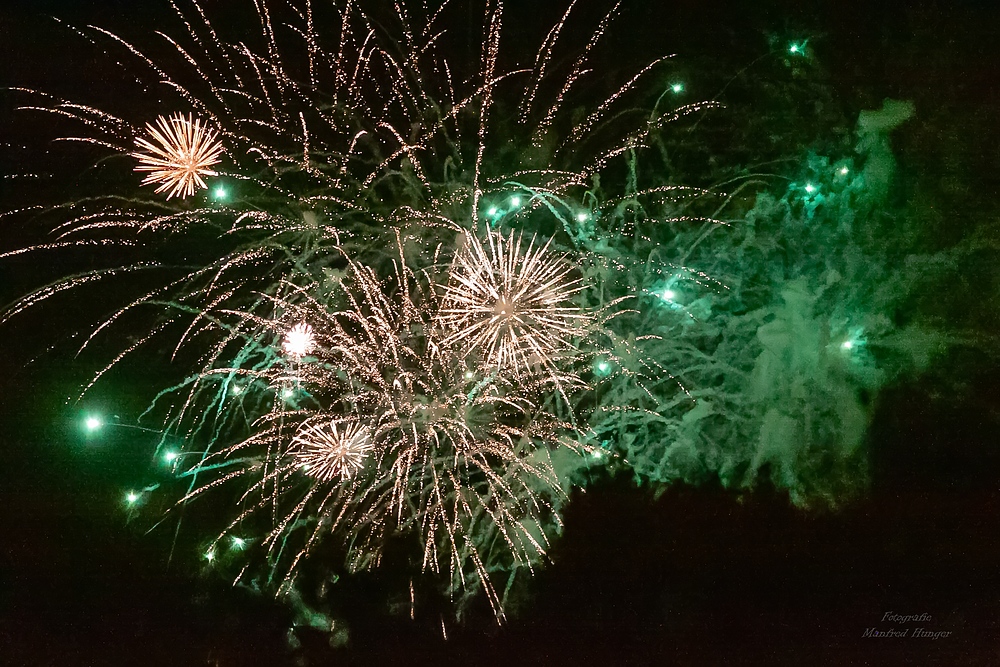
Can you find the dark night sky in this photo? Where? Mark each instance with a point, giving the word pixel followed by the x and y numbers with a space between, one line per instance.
pixel 694 577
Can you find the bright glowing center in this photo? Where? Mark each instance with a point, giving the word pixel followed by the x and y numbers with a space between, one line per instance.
pixel 504 307
pixel 93 423
pixel 298 341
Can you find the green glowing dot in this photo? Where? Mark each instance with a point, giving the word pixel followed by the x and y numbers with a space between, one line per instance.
pixel 677 87
pixel 598 454
pixel 220 193
pixel 582 217
pixel 492 211
pixel 515 201
pixel 131 497
pixel 210 556
pixel 796 48
pixel 668 295
pixel 287 392
pixel 844 171
pixel 236 390
pixel 810 188
pixel 93 423
pixel 469 375
pixel 603 367
pixel 239 542
pixel 847 345
pixel 170 457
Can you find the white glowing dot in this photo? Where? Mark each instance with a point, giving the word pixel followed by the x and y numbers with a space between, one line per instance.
pixel 287 392
pixel 239 542
pixel 847 345
pixel 236 390
pixel 93 423
pixel 668 295
pixel 219 193
pixel 677 87
pixel 810 188
pixel 170 457
pixel 492 211
pixel 582 217
pixel 469 375
pixel 131 497
pixel 298 341
pixel 210 556
pixel 515 201
pixel 844 171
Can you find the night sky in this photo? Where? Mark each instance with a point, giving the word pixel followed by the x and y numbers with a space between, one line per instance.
pixel 695 575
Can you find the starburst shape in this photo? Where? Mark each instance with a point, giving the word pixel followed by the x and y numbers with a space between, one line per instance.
pixel 299 341
pixel 326 451
pixel 177 154
pixel 512 304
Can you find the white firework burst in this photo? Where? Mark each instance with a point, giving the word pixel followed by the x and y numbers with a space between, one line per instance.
pixel 328 450
pixel 184 151
pixel 299 341
pixel 513 305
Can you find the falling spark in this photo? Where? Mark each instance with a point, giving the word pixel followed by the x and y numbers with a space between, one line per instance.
pixel 182 154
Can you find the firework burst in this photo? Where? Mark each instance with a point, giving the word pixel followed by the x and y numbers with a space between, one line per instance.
pixel 299 341
pixel 513 304
pixel 326 451
pixel 401 436
pixel 177 154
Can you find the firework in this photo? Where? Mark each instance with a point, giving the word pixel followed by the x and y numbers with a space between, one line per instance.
pixel 326 451
pixel 182 154
pixel 423 401
pixel 299 341
pixel 413 439
pixel 513 304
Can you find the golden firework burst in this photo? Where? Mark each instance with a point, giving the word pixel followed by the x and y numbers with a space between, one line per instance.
pixel 326 451
pixel 183 152
pixel 513 303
